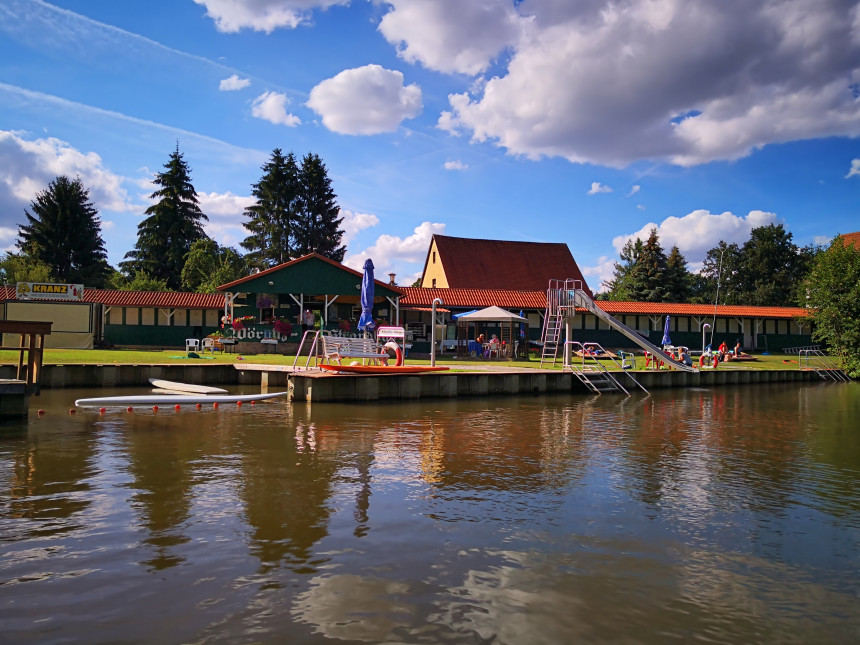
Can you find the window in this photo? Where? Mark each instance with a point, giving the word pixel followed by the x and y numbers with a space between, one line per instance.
pixel 132 316
pixel 434 283
pixel 434 260
pixel 195 318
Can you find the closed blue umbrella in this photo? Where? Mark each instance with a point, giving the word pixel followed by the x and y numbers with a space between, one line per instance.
pixel 666 339
pixel 365 323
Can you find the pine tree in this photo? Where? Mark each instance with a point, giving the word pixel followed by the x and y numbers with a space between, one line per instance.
pixel 319 229
pixel 678 279
pixel 64 233
pixel 648 275
pixel 273 219
pixel 174 224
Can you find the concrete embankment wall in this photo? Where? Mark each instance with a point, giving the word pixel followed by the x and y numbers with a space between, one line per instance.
pixel 323 387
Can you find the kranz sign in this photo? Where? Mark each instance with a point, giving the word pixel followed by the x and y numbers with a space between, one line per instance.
pixel 49 291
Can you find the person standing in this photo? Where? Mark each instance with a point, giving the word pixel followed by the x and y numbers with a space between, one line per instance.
pixel 309 319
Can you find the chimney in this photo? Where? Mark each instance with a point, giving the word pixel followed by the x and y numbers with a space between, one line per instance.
pixel 391 277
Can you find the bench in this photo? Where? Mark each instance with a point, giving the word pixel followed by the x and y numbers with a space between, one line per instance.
pixel 336 348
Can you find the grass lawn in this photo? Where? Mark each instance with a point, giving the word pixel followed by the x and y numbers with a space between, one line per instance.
pixel 178 356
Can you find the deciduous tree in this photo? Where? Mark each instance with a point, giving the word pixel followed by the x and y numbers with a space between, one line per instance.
pixel 209 265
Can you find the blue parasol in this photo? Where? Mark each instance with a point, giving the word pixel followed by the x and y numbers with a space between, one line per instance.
pixel 666 339
pixel 365 323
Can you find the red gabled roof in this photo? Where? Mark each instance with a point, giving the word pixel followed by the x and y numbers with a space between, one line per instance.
pixel 418 296
pixel 473 298
pixel 114 298
pixel 253 276
pixel 498 264
pixel 849 239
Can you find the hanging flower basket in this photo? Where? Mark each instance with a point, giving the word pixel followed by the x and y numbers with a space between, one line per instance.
pixel 283 327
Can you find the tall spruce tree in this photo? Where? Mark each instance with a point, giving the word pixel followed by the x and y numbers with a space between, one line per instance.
pixel 648 275
pixel 273 219
pixel 678 278
pixel 174 224
pixel 64 233
pixel 319 228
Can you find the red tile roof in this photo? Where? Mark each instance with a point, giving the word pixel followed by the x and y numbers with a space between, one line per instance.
pixel 166 299
pixel 474 298
pixel 497 264
pixel 851 239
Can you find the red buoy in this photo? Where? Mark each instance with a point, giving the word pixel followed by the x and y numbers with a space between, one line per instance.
pixel 102 410
pixel 238 403
pixel 215 405
pixel 129 409
pixel 198 406
pixel 155 408
pixel 176 407
pixel 41 412
pixel 72 410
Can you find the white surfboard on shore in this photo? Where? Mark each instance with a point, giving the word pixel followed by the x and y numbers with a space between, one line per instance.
pixel 175 386
pixel 173 399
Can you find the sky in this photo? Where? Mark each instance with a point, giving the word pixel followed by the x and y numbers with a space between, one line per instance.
pixel 586 122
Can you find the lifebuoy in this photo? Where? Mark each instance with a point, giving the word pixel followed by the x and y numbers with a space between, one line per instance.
pixel 702 360
pixel 716 360
pixel 398 355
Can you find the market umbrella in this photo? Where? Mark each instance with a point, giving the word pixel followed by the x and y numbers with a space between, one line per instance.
pixel 365 323
pixel 666 339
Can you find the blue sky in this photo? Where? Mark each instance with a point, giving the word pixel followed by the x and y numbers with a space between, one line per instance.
pixel 540 120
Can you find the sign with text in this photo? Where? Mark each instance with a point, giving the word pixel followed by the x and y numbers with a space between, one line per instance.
pixel 49 291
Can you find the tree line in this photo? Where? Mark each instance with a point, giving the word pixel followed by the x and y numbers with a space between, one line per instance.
pixel 295 213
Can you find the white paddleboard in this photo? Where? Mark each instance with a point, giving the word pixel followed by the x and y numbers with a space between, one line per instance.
pixel 174 386
pixel 173 399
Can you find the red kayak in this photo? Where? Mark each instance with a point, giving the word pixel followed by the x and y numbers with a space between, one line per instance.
pixel 382 369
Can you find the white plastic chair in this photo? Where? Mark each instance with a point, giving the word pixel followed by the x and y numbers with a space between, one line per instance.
pixel 192 345
pixel 210 344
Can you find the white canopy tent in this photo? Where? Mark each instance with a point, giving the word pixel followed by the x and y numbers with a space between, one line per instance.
pixel 508 323
pixel 492 314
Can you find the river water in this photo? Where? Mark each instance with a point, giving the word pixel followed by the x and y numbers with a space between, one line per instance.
pixel 727 515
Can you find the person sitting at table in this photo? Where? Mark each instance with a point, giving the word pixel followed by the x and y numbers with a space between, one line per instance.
pixel 480 339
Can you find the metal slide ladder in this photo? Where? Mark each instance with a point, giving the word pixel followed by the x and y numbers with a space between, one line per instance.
pixel 559 305
pixel 592 372
pixel 562 299
pixel 817 360
pixel 313 352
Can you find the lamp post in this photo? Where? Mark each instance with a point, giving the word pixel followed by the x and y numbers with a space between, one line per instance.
pixel 436 301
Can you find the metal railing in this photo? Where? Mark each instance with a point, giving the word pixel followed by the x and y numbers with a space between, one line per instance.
pixel 817 360
pixel 589 364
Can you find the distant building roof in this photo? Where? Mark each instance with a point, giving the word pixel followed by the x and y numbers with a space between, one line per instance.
pixel 112 297
pixel 498 264
pixel 473 298
pixel 851 239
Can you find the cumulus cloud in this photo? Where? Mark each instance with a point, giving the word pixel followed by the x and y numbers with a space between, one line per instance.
pixel 224 204
pixel 685 81
pixel 451 36
pixel 455 164
pixel 600 273
pixel 272 107
pixel 28 165
pixel 365 100
pixel 699 231
pixel 392 254
pixel 233 83
pixel 231 16
pixel 855 168
pixel 353 223
pixel 597 187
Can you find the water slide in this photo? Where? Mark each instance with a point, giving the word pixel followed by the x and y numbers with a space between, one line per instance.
pixel 582 299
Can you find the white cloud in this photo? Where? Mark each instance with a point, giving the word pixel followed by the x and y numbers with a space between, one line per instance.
pixel 699 231
pixel 456 164
pixel 635 189
pixel 366 100
pixel 451 36
pixel 27 166
pixel 599 273
pixel 262 15
pixel 272 107
pixel 855 168
pixel 353 223
pixel 822 240
pixel 392 254
pixel 224 204
pixel 597 187
pixel 233 83
pixel 686 81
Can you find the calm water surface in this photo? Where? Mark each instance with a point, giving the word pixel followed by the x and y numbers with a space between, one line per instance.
pixel 729 515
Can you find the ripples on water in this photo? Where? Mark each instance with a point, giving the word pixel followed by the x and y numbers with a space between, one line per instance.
pixel 724 515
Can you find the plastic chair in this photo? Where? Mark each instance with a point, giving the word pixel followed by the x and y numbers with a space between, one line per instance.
pixel 212 345
pixel 192 345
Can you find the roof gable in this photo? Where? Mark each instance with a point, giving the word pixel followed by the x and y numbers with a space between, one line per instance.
pixel 498 264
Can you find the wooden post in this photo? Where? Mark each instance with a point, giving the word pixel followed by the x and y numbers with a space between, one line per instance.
pixel 32 333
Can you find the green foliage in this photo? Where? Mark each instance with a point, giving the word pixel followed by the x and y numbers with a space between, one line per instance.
pixel 274 217
pixel 174 224
pixel 647 275
pixel 832 296
pixel 319 220
pixel 210 265
pixel 63 232
pixel 15 267
pixel 766 271
pixel 140 281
